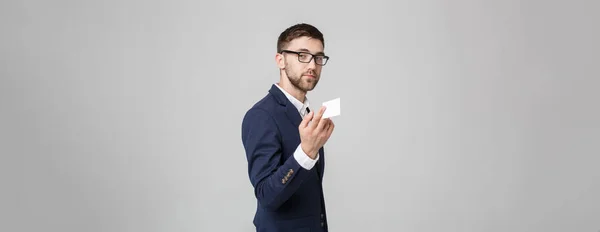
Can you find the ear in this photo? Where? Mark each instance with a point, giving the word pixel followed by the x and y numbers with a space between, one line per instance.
pixel 280 60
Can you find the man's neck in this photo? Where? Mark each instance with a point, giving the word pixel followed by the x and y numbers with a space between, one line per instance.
pixel 296 93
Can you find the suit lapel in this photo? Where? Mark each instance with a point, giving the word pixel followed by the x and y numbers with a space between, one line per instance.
pixel 320 163
pixel 295 118
pixel 290 109
pixel 293 114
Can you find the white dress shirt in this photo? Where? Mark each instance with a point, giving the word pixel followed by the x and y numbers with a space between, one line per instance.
pixel 302 158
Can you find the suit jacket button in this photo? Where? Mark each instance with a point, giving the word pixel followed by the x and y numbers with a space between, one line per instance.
pixel 322 224
pixel 322 216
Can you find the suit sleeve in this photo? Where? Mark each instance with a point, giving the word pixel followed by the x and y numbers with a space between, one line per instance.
pixel 274 179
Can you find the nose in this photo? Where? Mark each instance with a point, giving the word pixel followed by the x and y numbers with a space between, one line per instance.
pixel 313 63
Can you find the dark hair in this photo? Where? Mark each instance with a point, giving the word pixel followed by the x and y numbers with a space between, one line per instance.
pixel 296 31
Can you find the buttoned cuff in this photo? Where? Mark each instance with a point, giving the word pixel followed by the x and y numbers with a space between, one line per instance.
pixel 303 159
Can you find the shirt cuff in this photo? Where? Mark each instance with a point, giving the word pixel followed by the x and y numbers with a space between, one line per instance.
pixel 303 159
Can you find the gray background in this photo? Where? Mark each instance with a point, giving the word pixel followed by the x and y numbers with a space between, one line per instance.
pixel 457 115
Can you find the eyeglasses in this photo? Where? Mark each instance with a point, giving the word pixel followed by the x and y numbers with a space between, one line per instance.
pixel 305 57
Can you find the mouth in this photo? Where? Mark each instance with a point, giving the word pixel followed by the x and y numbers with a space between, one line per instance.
pixel 309 76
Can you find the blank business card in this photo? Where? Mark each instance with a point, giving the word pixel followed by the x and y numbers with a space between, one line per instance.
pixel 333 108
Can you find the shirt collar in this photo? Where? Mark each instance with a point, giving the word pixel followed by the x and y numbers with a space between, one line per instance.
pixel 299 105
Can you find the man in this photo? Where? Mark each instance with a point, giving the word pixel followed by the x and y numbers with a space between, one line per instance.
pixel 283 139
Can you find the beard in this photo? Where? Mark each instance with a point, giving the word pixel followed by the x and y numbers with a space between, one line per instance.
pixel 306 84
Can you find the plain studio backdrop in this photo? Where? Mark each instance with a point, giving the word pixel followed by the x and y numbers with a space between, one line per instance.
pixel 456 115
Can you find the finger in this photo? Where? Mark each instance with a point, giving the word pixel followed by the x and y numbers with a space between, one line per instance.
pixel 323 124
pixel 330 129
pixel 317 118
pixel 306 119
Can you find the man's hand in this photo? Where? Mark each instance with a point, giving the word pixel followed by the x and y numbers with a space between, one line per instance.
pixel 313 135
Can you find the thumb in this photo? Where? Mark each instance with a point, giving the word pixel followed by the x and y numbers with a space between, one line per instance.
pixel 306 119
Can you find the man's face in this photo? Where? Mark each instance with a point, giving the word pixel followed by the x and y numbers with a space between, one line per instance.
pixel 303 76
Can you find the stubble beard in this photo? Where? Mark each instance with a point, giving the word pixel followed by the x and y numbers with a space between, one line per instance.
pixel 303 85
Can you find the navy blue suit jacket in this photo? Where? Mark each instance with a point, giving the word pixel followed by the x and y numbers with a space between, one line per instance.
pixel 289 197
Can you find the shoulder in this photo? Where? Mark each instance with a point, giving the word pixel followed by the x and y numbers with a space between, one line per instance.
pixel 261 119
pixel 262 111
pixel 270 104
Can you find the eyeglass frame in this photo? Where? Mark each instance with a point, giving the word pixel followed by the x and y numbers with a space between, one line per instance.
pixel 307 53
